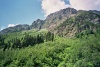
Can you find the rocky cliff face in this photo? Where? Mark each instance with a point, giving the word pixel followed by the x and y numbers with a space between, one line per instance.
pixel 57 18
pixel 84 22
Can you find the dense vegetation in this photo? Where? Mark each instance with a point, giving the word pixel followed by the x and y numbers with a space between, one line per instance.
pixel 20 41
pixel 49 50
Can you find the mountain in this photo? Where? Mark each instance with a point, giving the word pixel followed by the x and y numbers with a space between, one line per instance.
pixel 81 23
pixel 59 17
pixel 70 22
pixel 66 22
pixel 16 28
pixel 67 38
pixel 37 24
pixel 50 22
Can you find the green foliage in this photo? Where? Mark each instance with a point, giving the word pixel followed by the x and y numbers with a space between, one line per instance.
pixel 41 48
pixel 61 52
pixel 44 49
pixel 49 36
pixel 24 39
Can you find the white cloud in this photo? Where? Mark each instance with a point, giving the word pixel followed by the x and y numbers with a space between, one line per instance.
pixel 12 25
pixel 51 6
pixel 2 27
pixel 85 4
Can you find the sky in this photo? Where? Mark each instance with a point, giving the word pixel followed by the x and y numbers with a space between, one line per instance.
pixel 14 12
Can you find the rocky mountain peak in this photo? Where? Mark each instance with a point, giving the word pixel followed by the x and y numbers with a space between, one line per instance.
pixel 58 17
pixel 63 12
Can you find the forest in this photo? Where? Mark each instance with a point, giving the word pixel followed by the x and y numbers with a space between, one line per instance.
pixel 44 49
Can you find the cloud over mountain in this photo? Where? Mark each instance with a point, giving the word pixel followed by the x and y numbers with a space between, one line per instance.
pixel 51 6
pixel 1 28
pixel 12 25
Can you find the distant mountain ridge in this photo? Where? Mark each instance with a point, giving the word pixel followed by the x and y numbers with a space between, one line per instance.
pixel 64 22
pixel 22 27
pixel 16 28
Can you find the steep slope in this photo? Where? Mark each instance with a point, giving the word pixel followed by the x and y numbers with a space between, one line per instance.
pixel 62 52
pixel 57 18
pixel 84 22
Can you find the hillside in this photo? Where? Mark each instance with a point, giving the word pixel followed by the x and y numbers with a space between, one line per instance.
pixel 27 49
pixel 84 22
pixel 67 38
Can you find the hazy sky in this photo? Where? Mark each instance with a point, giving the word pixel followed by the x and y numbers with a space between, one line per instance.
pixel 13 12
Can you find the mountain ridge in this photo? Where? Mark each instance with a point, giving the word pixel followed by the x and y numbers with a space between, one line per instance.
pixel 55 20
